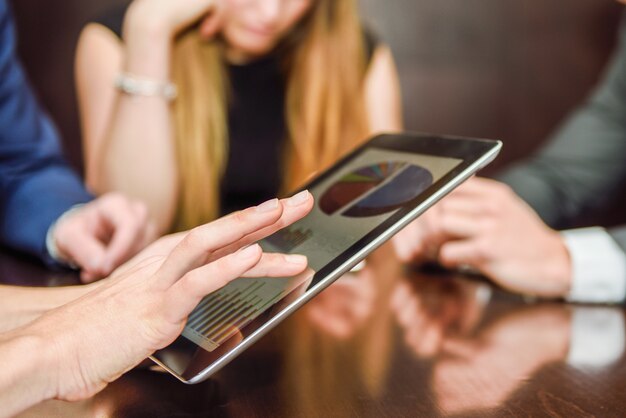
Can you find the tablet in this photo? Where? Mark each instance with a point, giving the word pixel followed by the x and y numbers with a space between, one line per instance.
pixel 360 202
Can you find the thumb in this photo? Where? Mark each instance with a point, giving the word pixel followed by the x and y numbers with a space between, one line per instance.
pixel 82 247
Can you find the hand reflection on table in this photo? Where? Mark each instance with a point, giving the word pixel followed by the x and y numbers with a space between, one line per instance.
pixel 478 366
pixel 483 371
pixel 343 308
pixel 429 308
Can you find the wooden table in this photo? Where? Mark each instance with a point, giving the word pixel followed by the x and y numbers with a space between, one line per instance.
pixel 386 341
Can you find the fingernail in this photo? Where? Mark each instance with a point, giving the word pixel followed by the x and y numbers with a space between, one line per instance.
pixel 248 252
pixel 268 206
pixel 299 199
pixel 296 259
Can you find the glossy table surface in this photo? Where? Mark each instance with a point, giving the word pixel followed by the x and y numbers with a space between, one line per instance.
pixel 390 341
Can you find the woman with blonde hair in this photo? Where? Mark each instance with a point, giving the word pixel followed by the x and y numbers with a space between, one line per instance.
pixel 202 107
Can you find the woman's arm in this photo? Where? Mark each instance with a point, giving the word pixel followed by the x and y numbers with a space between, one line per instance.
pixel 382 93
pixel 128 141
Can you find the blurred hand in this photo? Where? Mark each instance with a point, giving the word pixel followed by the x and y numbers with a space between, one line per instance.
pixel 103 234
pixel 172 17
pixel 94 339
pixel 429 309
pixel 345 306
pixel 486 226
pixel 419 242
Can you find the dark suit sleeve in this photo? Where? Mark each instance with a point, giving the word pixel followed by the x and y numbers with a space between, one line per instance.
pixel 585 163
pixel 36 184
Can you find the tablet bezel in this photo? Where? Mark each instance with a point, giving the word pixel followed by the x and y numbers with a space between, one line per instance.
pixel 473 153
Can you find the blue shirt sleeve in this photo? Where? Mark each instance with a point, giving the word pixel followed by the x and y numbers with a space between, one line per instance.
pixel 36 183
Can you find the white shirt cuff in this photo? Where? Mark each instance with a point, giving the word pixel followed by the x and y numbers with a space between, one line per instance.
pixel 51 245
pixel 597 337
pixel 598 266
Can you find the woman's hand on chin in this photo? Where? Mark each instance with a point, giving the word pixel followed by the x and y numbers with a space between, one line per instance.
pixel 167 18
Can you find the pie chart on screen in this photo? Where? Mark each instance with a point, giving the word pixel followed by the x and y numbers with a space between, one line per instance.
pixel 375 189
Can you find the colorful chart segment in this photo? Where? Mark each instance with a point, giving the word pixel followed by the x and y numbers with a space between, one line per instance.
pixel 375 190
pixel 356 184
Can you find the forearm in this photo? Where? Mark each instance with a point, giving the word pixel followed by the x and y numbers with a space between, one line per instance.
pixel 21 305
pixel 138 149
pixel 25 378
pixel 139 159
pixel 382 93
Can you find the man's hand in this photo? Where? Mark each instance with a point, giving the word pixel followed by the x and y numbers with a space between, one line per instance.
pixel 103 234
pixel 484 225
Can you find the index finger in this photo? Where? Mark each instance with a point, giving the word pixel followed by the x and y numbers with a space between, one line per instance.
pixel 196 248
pixel 294 210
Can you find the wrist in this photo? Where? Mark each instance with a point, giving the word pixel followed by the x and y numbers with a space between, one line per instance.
pixel 44 366
pixel 28 377
pixel 560 265
pixel 144 21
pixel 148 41
pixel 57 353
pixel 52 240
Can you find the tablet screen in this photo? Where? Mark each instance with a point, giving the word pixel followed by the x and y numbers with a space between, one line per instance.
pixel 360 203
pixel 365 192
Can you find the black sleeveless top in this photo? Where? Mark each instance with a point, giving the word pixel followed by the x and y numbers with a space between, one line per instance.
pixel 256 125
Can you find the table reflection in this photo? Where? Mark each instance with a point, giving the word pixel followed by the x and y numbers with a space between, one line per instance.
pixel 471 350
pixel 142 393
pixel 499 358
pixel 388 341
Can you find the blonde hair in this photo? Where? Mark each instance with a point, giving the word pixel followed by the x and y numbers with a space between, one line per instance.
pixel 325 66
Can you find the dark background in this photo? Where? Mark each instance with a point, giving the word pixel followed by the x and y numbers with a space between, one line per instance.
pixel 505 69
